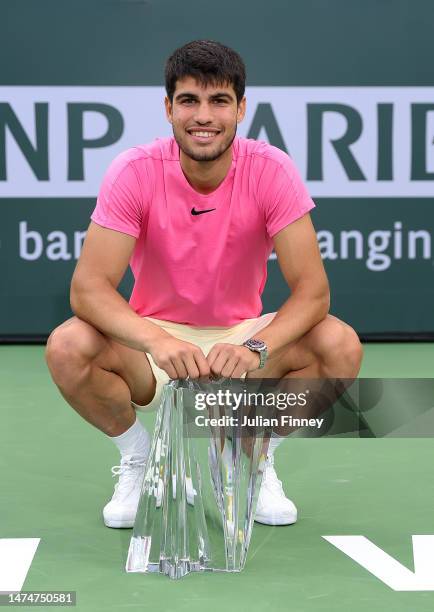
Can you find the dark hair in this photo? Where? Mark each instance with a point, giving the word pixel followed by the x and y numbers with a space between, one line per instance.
pixel 209 62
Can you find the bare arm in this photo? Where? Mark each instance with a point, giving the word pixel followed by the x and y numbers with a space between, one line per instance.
pixel 94 295
pixel 301 264
pixel 95 299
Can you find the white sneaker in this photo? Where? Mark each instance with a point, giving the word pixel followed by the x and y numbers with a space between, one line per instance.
pixel 273 507
pixel 122 508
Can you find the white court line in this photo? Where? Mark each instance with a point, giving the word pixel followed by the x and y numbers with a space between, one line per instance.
pixel 16 556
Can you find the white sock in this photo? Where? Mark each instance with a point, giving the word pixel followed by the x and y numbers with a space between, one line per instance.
pixel 134 441
pixel 275 440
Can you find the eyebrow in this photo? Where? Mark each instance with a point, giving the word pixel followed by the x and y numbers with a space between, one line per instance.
pixel 186 94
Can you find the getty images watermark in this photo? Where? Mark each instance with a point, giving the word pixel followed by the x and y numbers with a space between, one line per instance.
pixel 227 399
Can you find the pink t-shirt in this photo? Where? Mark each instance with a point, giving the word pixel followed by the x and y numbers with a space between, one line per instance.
pixel 209 269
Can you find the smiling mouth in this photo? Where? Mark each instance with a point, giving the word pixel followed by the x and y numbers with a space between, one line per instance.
pixel 202 135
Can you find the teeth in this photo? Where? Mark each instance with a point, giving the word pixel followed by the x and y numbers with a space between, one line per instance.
pixel 203 134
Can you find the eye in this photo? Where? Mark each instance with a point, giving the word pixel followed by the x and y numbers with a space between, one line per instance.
pixel 188 101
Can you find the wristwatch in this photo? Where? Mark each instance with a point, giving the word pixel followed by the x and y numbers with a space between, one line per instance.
pixel 258 346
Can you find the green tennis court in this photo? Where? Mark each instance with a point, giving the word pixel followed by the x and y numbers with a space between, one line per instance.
pixel 55 473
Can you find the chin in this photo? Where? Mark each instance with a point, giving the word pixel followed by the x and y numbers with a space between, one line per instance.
pixel 203 155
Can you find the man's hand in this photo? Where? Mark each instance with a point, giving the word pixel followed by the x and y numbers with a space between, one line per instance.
pixel 179 359
pixel 232 360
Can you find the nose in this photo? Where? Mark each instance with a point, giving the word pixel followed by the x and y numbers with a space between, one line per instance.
pixel 203 113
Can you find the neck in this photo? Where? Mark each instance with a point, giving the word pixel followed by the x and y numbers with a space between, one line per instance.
pixel 205 176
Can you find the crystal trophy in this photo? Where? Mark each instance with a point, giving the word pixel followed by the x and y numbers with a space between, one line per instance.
pixel 200 487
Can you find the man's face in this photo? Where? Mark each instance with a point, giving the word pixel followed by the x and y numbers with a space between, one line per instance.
pixel 204 119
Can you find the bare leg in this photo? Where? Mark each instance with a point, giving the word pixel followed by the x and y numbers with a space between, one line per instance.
pixel 330 350
pixel 99 377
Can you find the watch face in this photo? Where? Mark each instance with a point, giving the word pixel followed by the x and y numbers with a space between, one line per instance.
pixel 260 347
pixel 257 344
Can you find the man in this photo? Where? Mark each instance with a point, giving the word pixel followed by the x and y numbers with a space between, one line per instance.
pixel 197 216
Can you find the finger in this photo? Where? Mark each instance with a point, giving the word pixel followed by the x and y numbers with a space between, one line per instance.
pixel 229 367
pixel 170 370
pixel 202 364
pixel 213 354
pixel 219 363
pixel 180 368
pixel 239 370
pixel 190 366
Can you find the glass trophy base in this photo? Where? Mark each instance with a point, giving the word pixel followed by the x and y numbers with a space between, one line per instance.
pixel 200 488
pixel 138 561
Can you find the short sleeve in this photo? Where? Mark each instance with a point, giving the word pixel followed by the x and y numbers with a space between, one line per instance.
pixel 282 194
pixel 120 203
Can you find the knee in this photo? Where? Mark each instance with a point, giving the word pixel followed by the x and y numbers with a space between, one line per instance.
pixel 69 351
pixel 341 351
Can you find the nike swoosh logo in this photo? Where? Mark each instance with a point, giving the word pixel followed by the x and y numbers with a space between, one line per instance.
pixel 200 212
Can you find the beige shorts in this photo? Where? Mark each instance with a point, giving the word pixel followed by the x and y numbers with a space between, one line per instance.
pixel 205 338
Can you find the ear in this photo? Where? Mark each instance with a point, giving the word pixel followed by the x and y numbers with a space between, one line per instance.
pixel 241 111
pixel 168 106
